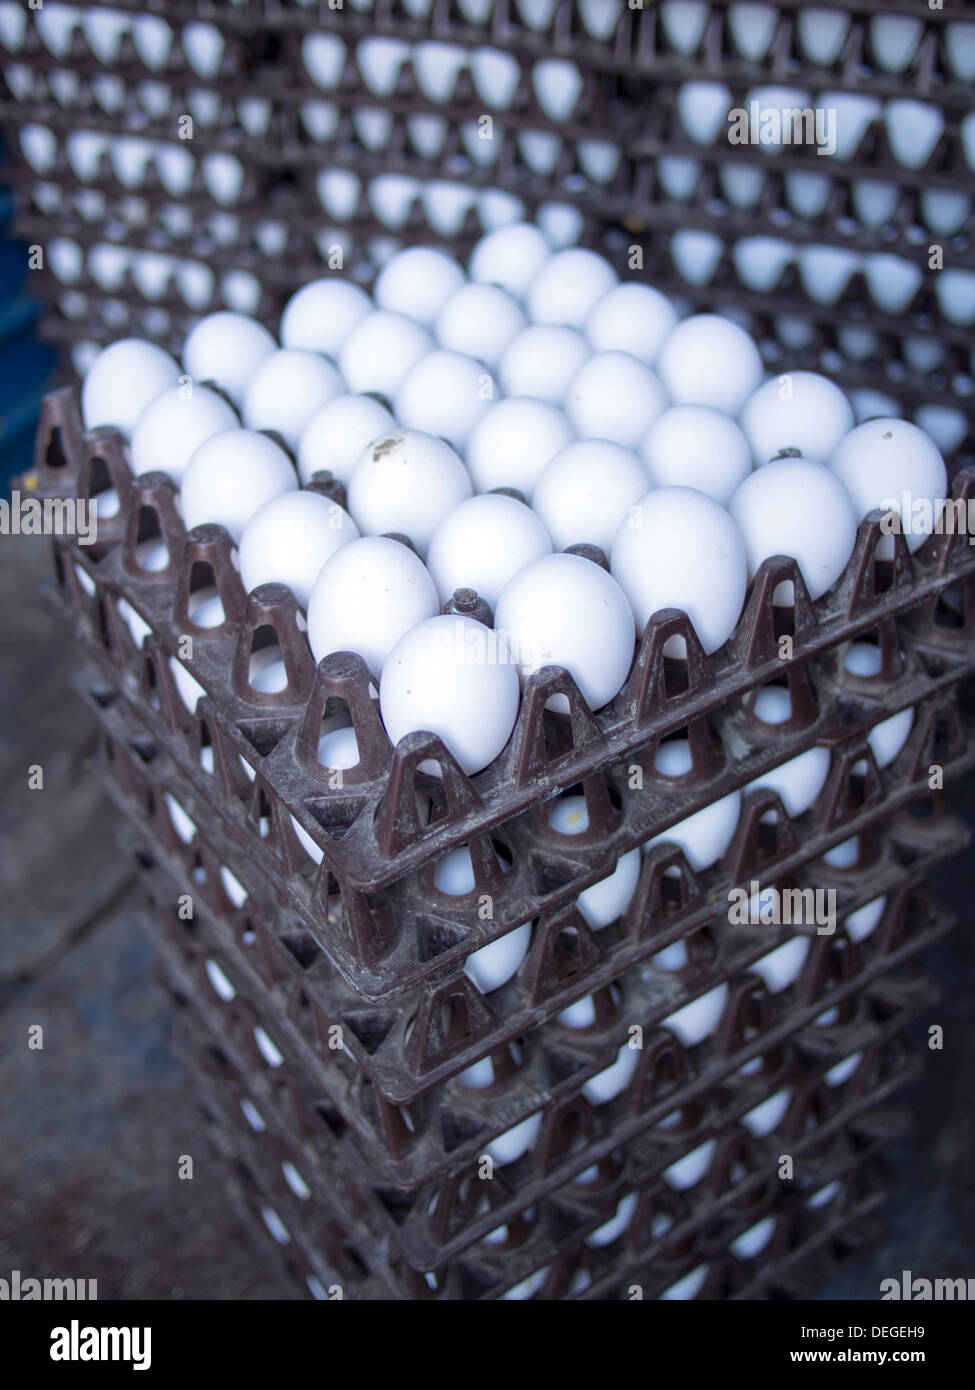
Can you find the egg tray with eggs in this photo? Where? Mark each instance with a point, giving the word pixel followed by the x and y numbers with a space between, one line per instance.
pixel 850 1180
pixel 211 950
pixel 531 868
pixel 263 954
pixel 707 1194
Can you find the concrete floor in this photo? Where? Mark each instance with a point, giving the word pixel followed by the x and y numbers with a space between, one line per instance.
pixel 96 1121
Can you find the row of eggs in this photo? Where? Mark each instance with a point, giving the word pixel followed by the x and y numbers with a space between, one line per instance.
pixel 893 41
pixel 587 437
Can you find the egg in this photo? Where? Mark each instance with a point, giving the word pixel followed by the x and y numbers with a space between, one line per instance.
pixel 542 361
pixel 568 287
pixel 610 1082
pixel 893 465
pixel 286 390
pixel 798 410
pixel 493 965
pixel 680 549
pixel 631 318
pixel 289 539
pixel 863 921
pixel 510 1146
pixel 686 1172
pixel 797 508
pixel 444 394
pixel 768 1115
pixel 338 432
pixel 615 397
pixel 227 349
pixel 451 676
pixel 510 257
pixel 479 321
pixel 366 597
pixel 779 968
pixel 609 897
pixel 698 1019
pixel 174 425
pixel 708 360
pixel 699 447
pixel 121 382
pixel 584 492
pixel 563 610
pixel 482 543
pixel 797 782
pixel 887 738
pixel 230 476
pixel 320 316
pixel 406 482
pixel 513 441
pixel 380 350
pixel 418 282
pixel 706 834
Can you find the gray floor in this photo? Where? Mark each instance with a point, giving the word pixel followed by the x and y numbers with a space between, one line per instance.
pixel 96 1121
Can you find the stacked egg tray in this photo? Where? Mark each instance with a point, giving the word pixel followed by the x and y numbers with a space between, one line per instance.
pixel 382 1131
pixel 306 138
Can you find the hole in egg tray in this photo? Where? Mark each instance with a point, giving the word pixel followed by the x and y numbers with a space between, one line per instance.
pixel 734 1196
pixel 405 1063
pixel 628 79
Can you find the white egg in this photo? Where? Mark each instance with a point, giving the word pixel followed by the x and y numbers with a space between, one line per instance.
pixel 611 1230
pixel 893 465
pixel 843 1070
pixel 798 410
pixel 513 441
pixel 514 1142
pixel 286 390
pixel 609 897
pixel 479 321
pixel 406 482
pixel 698 1019
pixel 510 257
pixel 822 34
pixel 680 549
pixel 445 394
pixel 960 49
pixel 581 1014
pixel 797 782
pixel 289 539
pixel 230 476
pixel 585 491
pixel 542 361
pixel 699 447
pixel 704 836
pixel 568 287
pixel 913 129
pixel 765 1117
pixel 887 738
pixel 844 855
pixel 366 597
pixel 380 350
pixel 610 1082
pixel 615 397
pixel 336 435
pixel 418 282
pixel 121 382
pixel 493 965
pixel 320 316
pixel 689 1170
pixel 563 610
pixel 863 921
pixel 631 318
pixel 482 543
pixel 708 360
pixel 174 425
pixel 753 1241
pixel 797 508
pixel 691 1285
pixel 451 676
pixel 227 349
pixel 779 968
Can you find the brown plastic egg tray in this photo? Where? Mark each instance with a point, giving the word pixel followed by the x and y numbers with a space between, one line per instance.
pixel 629 80
pixel 737 1190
